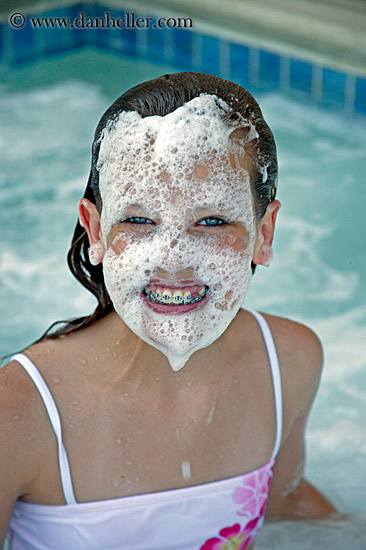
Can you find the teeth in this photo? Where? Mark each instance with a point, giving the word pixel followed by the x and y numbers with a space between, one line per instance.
pixel 178 297
pixel 158 294
pixel 187 298
pixel 165 296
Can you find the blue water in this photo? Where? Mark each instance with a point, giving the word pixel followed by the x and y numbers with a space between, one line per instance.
pixel 48 115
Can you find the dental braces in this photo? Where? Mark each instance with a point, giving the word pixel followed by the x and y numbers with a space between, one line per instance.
pixel 178 300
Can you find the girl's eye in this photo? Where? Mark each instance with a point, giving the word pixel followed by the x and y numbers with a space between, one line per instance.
pixel 212 221
pixel 137 219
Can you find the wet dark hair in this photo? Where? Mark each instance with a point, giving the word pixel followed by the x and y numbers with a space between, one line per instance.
pixel 162 96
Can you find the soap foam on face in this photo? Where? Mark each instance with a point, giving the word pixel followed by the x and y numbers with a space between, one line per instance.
pixel 168 169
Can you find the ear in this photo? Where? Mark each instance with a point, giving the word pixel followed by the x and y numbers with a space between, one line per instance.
pixel 89 218
pixel 263 247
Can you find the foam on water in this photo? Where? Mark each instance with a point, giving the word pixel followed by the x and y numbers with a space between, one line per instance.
pixel 318 253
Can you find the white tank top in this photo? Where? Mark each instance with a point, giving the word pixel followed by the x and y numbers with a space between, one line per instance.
pixel 191 518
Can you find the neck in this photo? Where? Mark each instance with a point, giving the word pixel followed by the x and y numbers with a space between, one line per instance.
pixel 133 361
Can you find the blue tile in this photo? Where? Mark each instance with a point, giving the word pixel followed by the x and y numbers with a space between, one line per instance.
pixel 360 95
pixel 156 38
pixel 51 36
pixel 301 74
pixel 269 69
pixel 123 36
pixel 23 42
pixel 2 29
pixel 239 64
pixel 183 49
pixel 210 55
pixel 333 88
pixel 101 35
pixel 78 35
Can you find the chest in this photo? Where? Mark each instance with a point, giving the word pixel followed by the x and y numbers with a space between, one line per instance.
pixel 129 443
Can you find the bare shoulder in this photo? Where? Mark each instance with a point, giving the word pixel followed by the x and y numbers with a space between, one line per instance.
pixel 20 437
pixel 300 356
pixel 24 424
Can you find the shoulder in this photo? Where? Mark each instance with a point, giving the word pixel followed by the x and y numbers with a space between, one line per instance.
pixel 24 424
pixel 19 433
pixel 300 356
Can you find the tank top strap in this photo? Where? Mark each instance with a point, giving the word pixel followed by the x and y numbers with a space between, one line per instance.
pixel 54 417
pixel 276 376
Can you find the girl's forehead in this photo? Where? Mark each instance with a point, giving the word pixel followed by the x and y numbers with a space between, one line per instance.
pixel 209 179
pixel 196 130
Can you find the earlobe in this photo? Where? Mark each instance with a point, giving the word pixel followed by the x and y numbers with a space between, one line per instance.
pixel 263 253
pixel 96 253
pixel 89 218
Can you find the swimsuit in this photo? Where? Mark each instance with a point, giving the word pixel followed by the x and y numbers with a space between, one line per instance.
pixel 211 516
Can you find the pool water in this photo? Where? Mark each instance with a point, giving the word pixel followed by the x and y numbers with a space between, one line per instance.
pixel 49 112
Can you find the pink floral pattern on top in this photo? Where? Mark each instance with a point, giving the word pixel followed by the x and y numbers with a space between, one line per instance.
pixel 252 497
pixel 232 538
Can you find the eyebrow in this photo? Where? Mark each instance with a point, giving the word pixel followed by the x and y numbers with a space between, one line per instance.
pixel 138 206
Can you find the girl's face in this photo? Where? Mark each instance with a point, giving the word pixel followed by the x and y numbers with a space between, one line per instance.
pixel 178 226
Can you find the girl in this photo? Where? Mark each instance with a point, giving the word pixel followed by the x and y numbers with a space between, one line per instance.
pixel 170 418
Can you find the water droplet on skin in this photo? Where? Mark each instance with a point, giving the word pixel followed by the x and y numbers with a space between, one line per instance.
pixel 118 342
pixel 125 394
pixel 114 354
pixel 116 484
pixel 157 378
pixel 235 381
pixel 76 402
pixel 70 417
pixel 129 463
pixel 57 379
pixel 119 441
pixel 83 361
pixel 186 470
pixel 96 358
pixel 130 415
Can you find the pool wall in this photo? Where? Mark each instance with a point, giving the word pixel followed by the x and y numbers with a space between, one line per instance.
pixel 252 59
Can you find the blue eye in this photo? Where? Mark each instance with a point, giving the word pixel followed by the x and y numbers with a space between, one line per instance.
pixel 212 221
pixel 137 219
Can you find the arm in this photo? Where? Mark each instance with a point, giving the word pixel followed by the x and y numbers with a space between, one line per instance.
pixel 15 444
pixel 291 496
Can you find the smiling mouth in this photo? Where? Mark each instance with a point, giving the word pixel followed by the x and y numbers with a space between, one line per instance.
pixel 175 297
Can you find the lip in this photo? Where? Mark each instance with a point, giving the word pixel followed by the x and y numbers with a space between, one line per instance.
pixel 180 283
pixel 171 309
